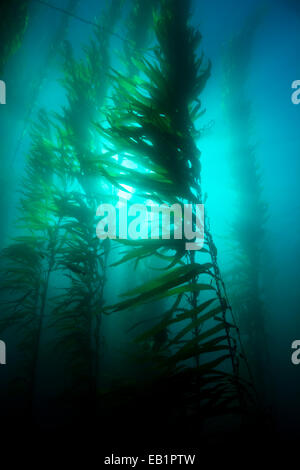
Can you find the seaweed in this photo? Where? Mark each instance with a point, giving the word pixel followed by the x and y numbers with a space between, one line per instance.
pixel 153 123
pixel 49 59
pixel 83 260
pixel 28 262
pixel 13 24
pixel 138 31
pixel 247 232
pixel 55 271
pixel 57 231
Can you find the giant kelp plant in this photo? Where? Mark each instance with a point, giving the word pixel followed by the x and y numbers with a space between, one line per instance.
pixel 57 244
pixel 78 311
pixel 28 262
pixel 247 230
pixel 152 122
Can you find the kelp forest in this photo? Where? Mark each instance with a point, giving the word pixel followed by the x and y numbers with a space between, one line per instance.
pixel 115 111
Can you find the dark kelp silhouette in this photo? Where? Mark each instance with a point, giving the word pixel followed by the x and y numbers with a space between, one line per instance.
pixel 13 23
pixel 153 122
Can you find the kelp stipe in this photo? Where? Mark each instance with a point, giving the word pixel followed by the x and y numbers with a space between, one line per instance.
pixel 153 122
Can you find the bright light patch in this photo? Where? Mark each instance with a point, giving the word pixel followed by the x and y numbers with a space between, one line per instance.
pixel 124 194
pixel 129 164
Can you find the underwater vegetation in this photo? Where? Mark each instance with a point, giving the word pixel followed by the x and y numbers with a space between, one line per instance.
pixel 130 129
pixel 138 31
pixel 153 121
pixel 48 61
pixel 247 230
pixel 13 22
